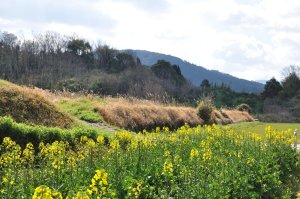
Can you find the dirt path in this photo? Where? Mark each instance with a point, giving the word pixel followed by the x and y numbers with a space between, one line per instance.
pixel 102 126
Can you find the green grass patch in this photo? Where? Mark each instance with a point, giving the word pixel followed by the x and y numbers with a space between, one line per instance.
pixel 5 83
pixel 82 108
pixel 259 127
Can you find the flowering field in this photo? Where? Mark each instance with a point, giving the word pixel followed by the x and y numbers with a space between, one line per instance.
pixel 202 162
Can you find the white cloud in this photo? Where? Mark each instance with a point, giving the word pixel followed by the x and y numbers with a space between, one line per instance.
pixel 252 39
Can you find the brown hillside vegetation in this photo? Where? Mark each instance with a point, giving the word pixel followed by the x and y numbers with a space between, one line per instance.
pixel 29 106
pixel 137 114
pixel 226 116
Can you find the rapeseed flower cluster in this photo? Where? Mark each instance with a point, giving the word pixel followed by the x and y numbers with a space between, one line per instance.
pixel 44 192
pixel 99 186
pixel 194 154
pixel 134 189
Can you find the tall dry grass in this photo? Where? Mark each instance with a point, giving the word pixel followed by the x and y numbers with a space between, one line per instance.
pixel 31 106
pixel 136 114
pixel 237 116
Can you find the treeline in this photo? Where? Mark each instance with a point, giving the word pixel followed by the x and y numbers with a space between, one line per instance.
pixel 52 61
pixel 282 99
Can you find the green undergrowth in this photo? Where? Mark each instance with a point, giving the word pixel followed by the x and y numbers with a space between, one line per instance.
pixel 82 108
pixel 23 133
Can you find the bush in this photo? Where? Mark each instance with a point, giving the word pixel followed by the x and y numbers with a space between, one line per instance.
pixel 205 111
pixel 244 107
pixel 71 85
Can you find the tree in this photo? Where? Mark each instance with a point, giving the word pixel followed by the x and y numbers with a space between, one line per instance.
pixel 291 84
pixel 287 71
pixel 272 88
pixel 104 55
pixel 79 46
pixel 205 84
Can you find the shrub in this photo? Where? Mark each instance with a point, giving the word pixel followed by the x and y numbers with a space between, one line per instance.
pixel 71 85
pixel 205 111
pixel 244 107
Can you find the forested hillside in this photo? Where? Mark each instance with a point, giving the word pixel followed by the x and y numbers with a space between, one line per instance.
pixel 52 61
pixel 196 74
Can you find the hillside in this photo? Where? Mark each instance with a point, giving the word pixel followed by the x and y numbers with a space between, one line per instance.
pixel 72 64
pixel 26 105
pixel 196 74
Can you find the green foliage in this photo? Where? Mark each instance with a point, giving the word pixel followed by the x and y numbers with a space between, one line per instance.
pixel 23 133
pixel 205 84
pixel 291 85
pixel 205 109
pixel 272 88
pixel 72 85
pixel 165 70
pixel 83 108
pixel 79 46
pixel 202 162
pixel 224 96
pixel 244 107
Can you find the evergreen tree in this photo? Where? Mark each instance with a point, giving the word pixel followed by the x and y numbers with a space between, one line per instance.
pixel 272 88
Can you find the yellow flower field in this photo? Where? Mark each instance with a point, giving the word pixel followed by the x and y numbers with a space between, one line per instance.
pixel 201 162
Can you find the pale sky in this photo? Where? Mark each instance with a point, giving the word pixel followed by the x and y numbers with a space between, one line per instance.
pixel 250 39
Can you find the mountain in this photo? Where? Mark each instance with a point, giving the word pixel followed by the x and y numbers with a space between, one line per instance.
pixel 262 81
pixel 196 74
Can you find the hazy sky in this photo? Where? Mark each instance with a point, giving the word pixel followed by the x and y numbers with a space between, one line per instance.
pixel 251 39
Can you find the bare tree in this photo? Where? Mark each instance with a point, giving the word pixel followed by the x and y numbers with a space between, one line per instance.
pixel 287 71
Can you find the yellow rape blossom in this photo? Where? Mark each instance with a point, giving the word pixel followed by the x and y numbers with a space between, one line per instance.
pixel 168 168
pixel 100 139
pixel 194 154
pixel 42 192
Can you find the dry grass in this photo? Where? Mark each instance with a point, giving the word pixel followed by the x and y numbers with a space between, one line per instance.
pixel 220 118
pixel 237 116
pixel 31 106
pixel 34 105
pixel 135 114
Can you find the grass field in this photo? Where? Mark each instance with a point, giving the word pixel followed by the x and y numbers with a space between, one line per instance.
pixel 259 127
pixel 82 108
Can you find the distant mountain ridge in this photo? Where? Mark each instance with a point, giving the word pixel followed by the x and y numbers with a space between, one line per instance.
pixel 196 74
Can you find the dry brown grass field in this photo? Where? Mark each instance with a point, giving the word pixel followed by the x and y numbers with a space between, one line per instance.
pixel 38 106
pixel 136 114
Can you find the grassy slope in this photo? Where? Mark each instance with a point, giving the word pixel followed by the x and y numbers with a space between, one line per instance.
pixel 82 107
pixel 46 122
